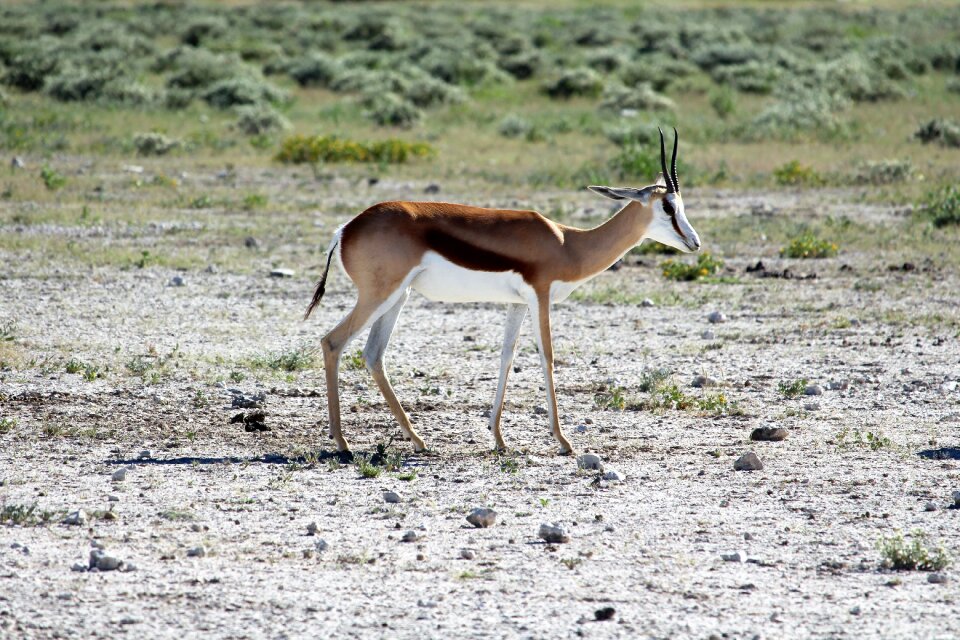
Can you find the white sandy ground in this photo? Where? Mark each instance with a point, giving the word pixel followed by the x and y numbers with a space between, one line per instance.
pixel 814 513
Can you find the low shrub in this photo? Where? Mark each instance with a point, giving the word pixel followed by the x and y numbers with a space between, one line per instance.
pixel 797 114
pixel 154 144
pixel 750 77
pixel 722 102
pixel 642 162
pixel 618 97
pixel 513 126
pixel 389 109
pixel 243 90
pixel 52 179
pixel 942 206
pixel 809 246
pixel 795 174
pixel 900 555
pixel 313 149
pixel 944 132
pixel 706 265
pixel 522 64
pixel 255 120
pixel 580 81
pixel 625 133
pixel 315 70
pixel 883 172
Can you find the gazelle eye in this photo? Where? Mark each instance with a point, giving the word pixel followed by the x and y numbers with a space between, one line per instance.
pixel 668 207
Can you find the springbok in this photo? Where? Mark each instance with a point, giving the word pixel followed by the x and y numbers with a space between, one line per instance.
pixel 457 253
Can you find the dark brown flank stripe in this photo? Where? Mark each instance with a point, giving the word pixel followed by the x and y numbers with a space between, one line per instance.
pixel 463 254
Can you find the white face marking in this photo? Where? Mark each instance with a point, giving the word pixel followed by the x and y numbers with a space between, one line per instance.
pixel 662 229
pixel 444 281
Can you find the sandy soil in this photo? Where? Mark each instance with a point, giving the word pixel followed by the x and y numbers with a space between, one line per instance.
pixel 651 546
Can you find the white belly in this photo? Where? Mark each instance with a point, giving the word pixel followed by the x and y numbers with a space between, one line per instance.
pixel 444 281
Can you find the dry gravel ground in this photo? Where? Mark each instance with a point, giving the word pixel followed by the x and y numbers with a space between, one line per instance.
pixel 650 546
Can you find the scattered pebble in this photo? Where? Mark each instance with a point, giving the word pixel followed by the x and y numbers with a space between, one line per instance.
pixel 855 611
pixel 613 476
pixel 196 552
pixel 811 406
pixel 468 554
pixel 177 281
pixel 321 545
pixel 101 561
pixel 605 613
pixel 79 566
pixel 930 507
pixel 590 461
pixel 312 529
pixel 243 401
pixel 838 385
pixel 119 475
pixel 956 498
pixel 769 434
pixel 196 527
pixel 410 536
pixel 736 556
pixel 482 517
pixel 391 497
pixel 647 302
pixel 813 390
pixel 250 242
pixel 748 462
pixel 432 188
pixel 581 428
pixel 282 273
pixel 17 163
pixel 938 578
pixel 145 454
pixel 113 498
pixel 708 334
pixel 78 517
pixel 699 382
pixel 552 532
pixel 717 317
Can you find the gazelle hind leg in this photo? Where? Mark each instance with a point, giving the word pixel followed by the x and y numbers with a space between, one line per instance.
pixel 377 342
pixel 515 315
pixel 540 310
pixel 366 311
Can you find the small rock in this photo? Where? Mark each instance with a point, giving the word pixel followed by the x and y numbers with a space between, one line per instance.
pixel 145 454
pixel 855 611
pixel 321 545
pixel 113 498
pixel 700 382
pixel 242 401
pixel 432 188
pixel 79 566
pixel 717 317
pixel 196 527
pixel 838 386
pixel 128 567
pixel 949 386
pixel 552 532
pixel 748 462
pixel 78 517
pixel 708 334
pixel 811 406
pixel 282 273
pixel 612 476
pixel 177 281
pixel 540 411
pixel 391 497
pixel 736 556
pixel 647 302
pixel 468 554
pixel 133 168
pixel 312 529
pixel 251 243
pixel 590 461
pixel 929 507
pixel 581 428
pixel 196 552
pixel 769 434
pixel 482 517
pixel 410 536
pixel 17 163
pixel 956 498
pixel 102 562
pixel 938 578
pixel 119 475
pixel 605 613
pixel 813 390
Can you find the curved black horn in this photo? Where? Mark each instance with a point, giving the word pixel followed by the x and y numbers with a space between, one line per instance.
pixel 673 161
pixel 663 163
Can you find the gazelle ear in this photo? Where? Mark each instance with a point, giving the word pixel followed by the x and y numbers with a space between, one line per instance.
pixel 607 192
pixel 660 181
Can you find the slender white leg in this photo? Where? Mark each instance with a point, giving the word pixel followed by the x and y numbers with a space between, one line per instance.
pixel 380 334
pixel 515 316
pixel 540 314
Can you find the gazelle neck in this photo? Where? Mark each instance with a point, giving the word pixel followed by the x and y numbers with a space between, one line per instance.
pixel 598 248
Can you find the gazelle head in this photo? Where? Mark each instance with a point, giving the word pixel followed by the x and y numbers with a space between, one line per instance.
pixel 668 224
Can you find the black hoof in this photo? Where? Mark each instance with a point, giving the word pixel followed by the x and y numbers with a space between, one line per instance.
pixel 345 457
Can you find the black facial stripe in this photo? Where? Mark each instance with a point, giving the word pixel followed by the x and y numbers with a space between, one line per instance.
pixel 676 227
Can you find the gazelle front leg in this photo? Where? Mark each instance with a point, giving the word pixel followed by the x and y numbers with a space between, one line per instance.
pixel 380 334
pixel 540 309
pixel 515 316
